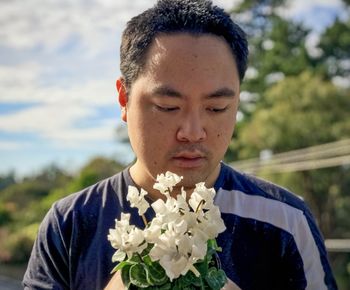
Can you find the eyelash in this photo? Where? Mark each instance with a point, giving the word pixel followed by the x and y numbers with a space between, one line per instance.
pixel 166 109
pixel 172 109
pixel 217 110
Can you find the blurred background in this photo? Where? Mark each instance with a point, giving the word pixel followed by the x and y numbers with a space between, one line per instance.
pixel 60 127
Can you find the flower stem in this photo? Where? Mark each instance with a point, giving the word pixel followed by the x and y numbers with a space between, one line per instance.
pixel 144 220
pixel 200 205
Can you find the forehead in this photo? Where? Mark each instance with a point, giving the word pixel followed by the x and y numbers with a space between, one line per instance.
pixel 189 63
pixel 180 45
pixel 173 55
pixel 188 55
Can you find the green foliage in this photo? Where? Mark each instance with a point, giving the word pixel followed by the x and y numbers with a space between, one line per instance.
pixel 16 246
pixel 23 204
pixel 335 44
pixel 97 169
pixel 141 272
pixel 290 101
pixel 34 187
pixel 296 114
pixel 277 50
pixel 5 214
pixel 7 180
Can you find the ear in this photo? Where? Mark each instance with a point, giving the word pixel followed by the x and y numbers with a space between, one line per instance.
pixel 122 97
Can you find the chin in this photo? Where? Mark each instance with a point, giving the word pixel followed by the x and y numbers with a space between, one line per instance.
pixel 190 181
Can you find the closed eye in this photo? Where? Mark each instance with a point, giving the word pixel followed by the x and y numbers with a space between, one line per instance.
pixel 217 110
pixel 166 109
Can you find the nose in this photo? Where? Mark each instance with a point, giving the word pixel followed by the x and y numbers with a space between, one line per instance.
pixel 192 128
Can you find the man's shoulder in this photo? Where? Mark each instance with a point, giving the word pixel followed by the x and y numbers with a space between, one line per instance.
pixel 249 185
pixel 93 198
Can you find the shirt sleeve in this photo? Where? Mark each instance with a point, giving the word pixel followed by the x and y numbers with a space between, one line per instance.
pixel 316 263
pixel 48 266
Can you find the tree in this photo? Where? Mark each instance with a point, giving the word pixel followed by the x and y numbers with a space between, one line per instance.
pixel 298 112
pixel 7 180
pixel 291 99
pixel 335 47
pixel 24 204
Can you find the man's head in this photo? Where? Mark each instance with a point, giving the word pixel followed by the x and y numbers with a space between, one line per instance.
pixel 173 16
pixel 182 63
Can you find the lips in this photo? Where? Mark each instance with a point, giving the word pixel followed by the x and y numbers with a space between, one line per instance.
pixel 189 159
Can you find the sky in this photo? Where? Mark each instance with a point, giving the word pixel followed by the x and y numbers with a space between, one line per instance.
pixel 58 66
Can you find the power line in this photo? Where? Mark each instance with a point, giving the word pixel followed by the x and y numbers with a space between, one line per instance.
pixel 338 245
pixel 313 152
pixel 315 157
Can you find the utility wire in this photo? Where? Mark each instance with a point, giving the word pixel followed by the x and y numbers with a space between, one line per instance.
pixel 320 156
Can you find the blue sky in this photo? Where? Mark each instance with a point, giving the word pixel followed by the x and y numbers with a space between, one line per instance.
pixel 58 65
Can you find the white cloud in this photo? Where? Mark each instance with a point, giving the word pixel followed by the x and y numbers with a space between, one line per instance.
pixel 25 24
pixel 13 145
pixel 57 124
pixel 296 7
pixel 315 14
pixel 49 24
pixel 22 83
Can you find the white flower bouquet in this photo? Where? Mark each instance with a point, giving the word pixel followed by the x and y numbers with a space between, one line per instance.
pixel 177 248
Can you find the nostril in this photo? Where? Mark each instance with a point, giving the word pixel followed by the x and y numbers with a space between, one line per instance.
pixel 191 127
pixel 191 134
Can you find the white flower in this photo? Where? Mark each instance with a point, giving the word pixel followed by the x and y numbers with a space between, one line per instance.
pixel 137 199
pixel 214 223
pixel 178 233
pixel 202 197
pixel 177 251
pixel 153 231
pixel 126 238
pixel 165 183
pixel 174 265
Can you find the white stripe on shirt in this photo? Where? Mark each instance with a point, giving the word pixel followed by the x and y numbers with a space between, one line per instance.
pixel 283 216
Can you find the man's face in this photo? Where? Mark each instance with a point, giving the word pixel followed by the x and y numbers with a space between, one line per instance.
pixel 181 110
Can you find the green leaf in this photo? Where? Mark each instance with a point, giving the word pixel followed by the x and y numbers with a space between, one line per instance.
pixel 136 259
pixel 216 279
pixel 202 267
pixel 147 260
pixel 212 248
pixel 190 279
pixel 138 276
pixel 121 265
pixel 166 286
pixel 125 275
pixel 155 274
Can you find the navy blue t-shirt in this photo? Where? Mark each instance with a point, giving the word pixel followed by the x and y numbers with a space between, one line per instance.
pixel 271 240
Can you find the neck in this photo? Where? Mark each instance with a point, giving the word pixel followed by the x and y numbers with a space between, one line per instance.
pixel 143 179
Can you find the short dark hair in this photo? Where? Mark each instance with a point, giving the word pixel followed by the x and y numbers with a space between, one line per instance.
pixel 176 16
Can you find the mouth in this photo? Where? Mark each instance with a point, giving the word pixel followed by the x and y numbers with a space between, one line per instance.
pixel 189 159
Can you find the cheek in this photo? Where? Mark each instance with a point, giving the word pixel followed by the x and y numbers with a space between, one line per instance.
pixel 222 135
pixel 154 133
pixel 156 127
pixel 223 129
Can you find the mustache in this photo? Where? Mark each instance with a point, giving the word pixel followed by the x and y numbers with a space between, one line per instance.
pixel 191 148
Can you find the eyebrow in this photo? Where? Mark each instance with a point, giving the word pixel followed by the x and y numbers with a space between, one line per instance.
pixel 166 91
pixel 170 92
pixel 223 92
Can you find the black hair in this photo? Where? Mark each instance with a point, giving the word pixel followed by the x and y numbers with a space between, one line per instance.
pixel 174 16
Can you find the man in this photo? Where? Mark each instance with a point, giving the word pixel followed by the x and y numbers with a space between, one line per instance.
pixel 182 63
